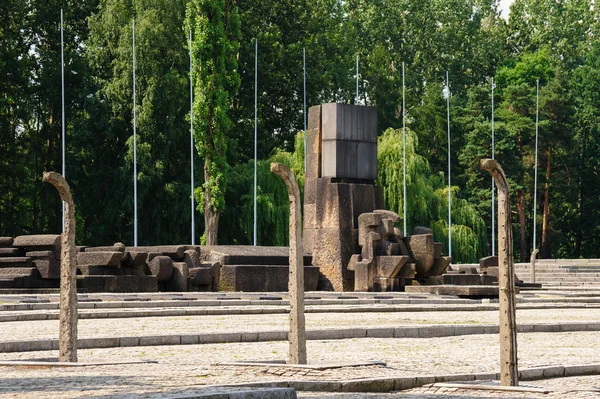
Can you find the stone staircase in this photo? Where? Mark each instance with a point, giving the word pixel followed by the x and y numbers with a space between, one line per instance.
pixel 562 272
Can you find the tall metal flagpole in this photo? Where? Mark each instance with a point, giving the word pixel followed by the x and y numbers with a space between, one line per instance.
pixel 493 184
pixel 255 128
pixel 192 138
pixel 62 84
pixel 537 99
pixel 447 96
pixel 356 99
pixel 135 219
pixel 404 149
pixel 304 80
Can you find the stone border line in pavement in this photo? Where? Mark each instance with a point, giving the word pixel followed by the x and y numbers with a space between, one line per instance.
pixel 52 363
pixel 430 331
pixel 218 311
pixel 391 384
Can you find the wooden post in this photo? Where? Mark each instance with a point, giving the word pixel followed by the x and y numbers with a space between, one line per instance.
pixel 532 260
pixel 297 332
pixel 509 374
pixel 67 338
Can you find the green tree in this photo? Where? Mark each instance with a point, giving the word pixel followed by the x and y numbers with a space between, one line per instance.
pixel 216 29
pixel 162 66
pixel 427 197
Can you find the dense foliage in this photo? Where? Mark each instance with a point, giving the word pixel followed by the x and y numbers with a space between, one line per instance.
pixel 553 42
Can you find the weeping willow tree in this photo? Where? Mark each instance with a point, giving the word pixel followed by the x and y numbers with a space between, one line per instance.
pixel 426 200
pixel 272 202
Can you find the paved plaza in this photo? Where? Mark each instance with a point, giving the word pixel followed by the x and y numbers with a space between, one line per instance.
pixel 188 345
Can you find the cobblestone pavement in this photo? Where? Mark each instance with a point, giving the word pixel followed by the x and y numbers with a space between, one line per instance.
pixel 88 328
pixel 187 369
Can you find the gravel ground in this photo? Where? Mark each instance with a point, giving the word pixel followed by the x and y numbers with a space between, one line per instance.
pixel 88 328
pixel 186 369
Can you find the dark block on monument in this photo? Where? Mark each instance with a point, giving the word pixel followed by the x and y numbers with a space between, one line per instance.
pixel 349 142
pixel 349 122
pixel 263 278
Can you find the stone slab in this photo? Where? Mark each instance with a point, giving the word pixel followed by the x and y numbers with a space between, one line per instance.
pixel 99 270
pixel 99 258
pixel 11 252
pixel 466 291
pixel 18 271
pixel 161 267
pixel 40 240
pixel 6 242
pixel 248 255
pixel 175 252
pixel 17 261
pixel 263 278
pixel 200 276
pixel 112 248
pixel 179 278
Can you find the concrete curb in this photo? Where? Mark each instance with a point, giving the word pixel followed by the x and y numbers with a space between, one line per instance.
pixel 429 331
pixel 217 311
pixel 391 384
pixel 260 393
pixel 204 303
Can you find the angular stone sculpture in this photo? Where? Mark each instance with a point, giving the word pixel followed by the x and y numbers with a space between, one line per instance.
pixel 297 332
pixel 67 347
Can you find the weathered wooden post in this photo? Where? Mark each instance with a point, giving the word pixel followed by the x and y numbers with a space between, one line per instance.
pixel 532 260
pixel 509 374
pixel 297 332
pixel 67 349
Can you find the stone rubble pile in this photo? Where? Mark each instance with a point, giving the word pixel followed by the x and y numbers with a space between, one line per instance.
pixel 33 261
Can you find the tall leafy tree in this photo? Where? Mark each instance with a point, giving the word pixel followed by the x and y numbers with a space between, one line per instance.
pixel 427 195
pixel 216 28
pixel 162 66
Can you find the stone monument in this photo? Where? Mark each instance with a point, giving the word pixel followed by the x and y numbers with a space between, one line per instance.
pixel 352 239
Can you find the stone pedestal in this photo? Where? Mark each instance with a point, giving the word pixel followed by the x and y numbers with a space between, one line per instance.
pixel 341 168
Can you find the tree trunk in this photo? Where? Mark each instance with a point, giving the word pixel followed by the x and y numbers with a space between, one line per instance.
pixel 546 213
pixel 211 215
pixel 521 213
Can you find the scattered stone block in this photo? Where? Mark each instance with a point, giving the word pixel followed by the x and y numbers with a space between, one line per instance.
pixel 41 242
pixel 99 270
pixel 17 261
pixel 421 230
pixel 192 258
pixel 179 278
pixel 262 278
pixel 93 283
pixel 137 258
pixel 132 284
pixel 119 246
pixel 11 252
pixel 18 271
pixel 6 242
pixel 104 249
pixel 488 261
pixel 99 258
pixel 161 267
pixel 175 252
pixel 46 263
pixel 200 276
